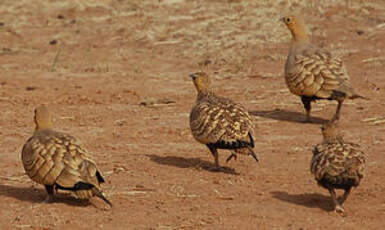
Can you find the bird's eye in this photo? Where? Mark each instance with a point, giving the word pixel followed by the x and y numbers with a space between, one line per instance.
pixel 288 20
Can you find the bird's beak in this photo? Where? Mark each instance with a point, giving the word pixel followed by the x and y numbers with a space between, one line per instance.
pixel 281 19
pixel 192 76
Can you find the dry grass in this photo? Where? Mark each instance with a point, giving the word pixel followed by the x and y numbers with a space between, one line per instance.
pixel 375 120
pixel 229 33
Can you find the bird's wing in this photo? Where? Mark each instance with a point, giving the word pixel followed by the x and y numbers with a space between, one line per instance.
pixel 56 158
pixel 336 160
pixel 314 71
pixel 220 119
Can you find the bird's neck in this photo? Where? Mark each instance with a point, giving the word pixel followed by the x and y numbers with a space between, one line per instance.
pixel 299 36
pixel 204 93
pixel 335 139
pixel 42 126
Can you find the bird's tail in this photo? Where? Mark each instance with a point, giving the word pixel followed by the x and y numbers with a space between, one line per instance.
pixel 354 96
pixel 247 151
pixel 101 195
pixel 252 153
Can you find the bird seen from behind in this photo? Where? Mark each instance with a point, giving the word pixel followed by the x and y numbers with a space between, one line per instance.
pixel 59 161
pixel 337 164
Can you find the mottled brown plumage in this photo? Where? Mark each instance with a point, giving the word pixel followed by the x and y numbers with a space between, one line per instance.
pixel 59 161
pixel 220 123
pixel 337 164
pixel 312 72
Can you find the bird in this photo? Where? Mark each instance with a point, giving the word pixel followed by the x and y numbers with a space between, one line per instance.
pixel 220 123
pixel 337 164
pixel 60 161
pixel 312 72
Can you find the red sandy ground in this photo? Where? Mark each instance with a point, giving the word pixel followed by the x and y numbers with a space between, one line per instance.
pixel 111 56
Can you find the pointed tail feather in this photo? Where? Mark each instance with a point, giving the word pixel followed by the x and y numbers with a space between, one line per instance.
pixel 100 194
pixel 252 153
pixel 354 96
pixel 245 151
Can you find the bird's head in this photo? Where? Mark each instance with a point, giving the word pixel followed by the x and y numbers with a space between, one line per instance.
pixel 331 132
pixel 296 26
pixel 201 81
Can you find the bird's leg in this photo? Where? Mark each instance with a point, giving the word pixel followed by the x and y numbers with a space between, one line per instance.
pixel 345 196
pixel 337 206
pixel 50 193
pixel 214 152
pixel 337 114
pixel 306 103
pixel 233 155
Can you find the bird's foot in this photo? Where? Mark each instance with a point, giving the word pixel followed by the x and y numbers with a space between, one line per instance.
pixel 233 155
pixel 48 199
pixel 341 199
pixel 307 120
pixel 214 168
pixel 335 118
pixel 220 169
pixel 340 210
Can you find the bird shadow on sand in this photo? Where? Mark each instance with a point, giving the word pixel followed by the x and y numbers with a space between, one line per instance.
pixel 195 162
pixel 291 116
pixel 37 195
pixel 310 200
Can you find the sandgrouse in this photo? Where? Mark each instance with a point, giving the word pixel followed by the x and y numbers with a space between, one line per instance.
pixel 337 164
pixel 59 161
pixel 312 72
pixel 220 123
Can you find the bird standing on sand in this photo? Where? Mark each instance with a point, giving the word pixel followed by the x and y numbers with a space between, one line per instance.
pixel 59 161
pixel 337 164
pixel 312 72
pixel 220 123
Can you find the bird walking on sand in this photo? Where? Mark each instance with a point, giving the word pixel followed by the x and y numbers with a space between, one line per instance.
pixel 59 161
pixel 337 164
pixel 220 123
pixel 312 72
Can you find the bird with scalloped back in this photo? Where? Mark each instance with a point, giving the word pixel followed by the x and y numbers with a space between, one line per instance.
pixel 337 164
pixel 313 73
pixel 60 161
